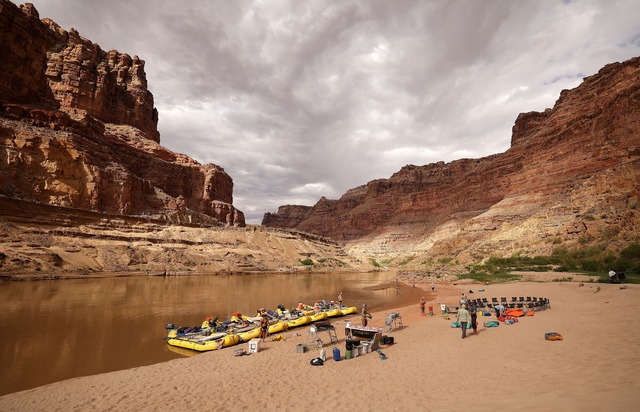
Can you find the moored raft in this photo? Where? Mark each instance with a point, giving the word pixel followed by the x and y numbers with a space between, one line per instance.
pixel 279 326
pixel 349 310
pixel 201 345
pixel 333 312
pixel 302 320
pixel 318 316
pixel 250 334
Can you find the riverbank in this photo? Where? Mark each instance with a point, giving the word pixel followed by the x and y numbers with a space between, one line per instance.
pixel 428 368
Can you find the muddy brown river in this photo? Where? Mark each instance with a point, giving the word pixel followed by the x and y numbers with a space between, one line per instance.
pixel 56 330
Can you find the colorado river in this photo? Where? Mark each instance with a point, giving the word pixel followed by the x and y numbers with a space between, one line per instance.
pixel 56 330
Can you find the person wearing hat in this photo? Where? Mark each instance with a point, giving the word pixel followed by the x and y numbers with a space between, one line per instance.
pixel 365 315
pixel 463 317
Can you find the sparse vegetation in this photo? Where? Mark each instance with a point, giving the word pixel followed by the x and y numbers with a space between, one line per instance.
pixel 484 277
pixel 405 261
pixel 593 260
pixel 567 279
pixel 374 262
pixel 307 262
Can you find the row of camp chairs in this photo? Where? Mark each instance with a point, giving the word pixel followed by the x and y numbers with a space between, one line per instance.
pixel 530 302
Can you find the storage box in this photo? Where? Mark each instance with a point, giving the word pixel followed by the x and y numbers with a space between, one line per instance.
pixel 254 345
pixel 301 348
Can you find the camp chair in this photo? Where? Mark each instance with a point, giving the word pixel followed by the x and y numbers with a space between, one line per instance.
pixel 485 301
pixel 521 299
pixel 494 300
pixel 528 298
pixel 503 300
pixel 514 299
pixel 519 305
pixel 535 299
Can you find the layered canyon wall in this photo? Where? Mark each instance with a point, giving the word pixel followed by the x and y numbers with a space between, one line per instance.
pixel 571 175
pixel 78 129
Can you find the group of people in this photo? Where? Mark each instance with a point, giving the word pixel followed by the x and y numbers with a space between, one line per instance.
pixel 467 313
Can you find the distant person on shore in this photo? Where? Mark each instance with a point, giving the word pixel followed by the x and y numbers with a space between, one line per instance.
pixel 473 311
pixel 463 317
pixel 340 299
pixel 463 299
pixel 433 287
pixel 498 309
pixel 264 326
pixel 422 304
pixel 365 315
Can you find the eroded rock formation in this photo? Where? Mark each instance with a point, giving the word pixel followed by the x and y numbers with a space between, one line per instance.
pixel 78 129
pixel 572 174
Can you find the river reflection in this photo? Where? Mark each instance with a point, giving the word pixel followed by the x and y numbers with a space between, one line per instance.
pixel 55 330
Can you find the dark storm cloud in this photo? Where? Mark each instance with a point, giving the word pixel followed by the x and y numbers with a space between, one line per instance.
pixel 303 99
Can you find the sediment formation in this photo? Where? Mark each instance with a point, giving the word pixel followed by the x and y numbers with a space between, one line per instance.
pixel 78 129
pixel 86 187
pixel 571 175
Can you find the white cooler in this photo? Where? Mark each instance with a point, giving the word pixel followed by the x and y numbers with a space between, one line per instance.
pixel 254 345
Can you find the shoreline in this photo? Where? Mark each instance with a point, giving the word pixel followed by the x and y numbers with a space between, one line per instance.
pixel 428 368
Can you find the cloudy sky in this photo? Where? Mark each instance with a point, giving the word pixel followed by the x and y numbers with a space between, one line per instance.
pixel 302 99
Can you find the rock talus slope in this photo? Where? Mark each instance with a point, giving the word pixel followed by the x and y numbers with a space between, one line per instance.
pixel 572 174
pixel 86 187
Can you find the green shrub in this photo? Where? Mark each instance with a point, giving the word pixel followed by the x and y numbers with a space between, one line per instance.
pixel 307 262
pixel 567 279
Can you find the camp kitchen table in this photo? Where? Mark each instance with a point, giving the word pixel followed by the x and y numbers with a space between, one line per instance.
pixel 366 333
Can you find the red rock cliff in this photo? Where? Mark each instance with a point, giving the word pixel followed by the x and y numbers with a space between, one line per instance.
pixel 78 129
pixel 572 172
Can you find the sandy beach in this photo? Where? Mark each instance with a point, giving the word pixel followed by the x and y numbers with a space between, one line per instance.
pixel 429 368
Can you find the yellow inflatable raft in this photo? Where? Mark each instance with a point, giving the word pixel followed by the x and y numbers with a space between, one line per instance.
pixel 333 312
pixel 278 327
pixel 204 345
pixel 302 320
pixel 247 336
pixel 318 316
pixel 349 311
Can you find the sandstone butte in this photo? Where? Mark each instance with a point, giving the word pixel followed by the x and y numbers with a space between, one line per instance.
pixel 86 188
pixel 571 177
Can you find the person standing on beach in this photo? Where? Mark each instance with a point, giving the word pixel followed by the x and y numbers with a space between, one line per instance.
pixel 433 287
pixel 264 326
pixel 422 304
pixel 340 299
pixel 365 315
pixel 473 311
pixel 464 318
